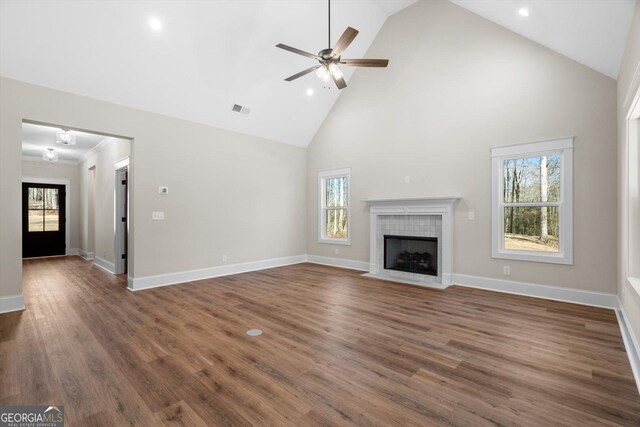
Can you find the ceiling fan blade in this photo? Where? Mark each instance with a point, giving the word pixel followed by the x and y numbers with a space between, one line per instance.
pixel 339 81
pixel 302 73
pixel 298 51
pixel 365 62
pixel 345 40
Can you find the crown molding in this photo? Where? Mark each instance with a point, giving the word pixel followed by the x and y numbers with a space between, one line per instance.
pixel 40 159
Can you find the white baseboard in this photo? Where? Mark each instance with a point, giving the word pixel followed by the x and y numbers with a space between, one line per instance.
pixel 11 303
pixel 339 262
pixel 73 251
pixel 139 283
pixel 86 255
pixel 431 285
pixel 556 293
pixel 630 343
pixel 577 296
pixel 105 265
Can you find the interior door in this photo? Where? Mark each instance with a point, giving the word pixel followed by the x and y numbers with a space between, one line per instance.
pixel 43 220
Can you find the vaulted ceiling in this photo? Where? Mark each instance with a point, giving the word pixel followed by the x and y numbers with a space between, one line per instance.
pixel 592 32
pixel 210 55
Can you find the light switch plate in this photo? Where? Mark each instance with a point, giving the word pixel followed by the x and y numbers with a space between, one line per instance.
pixel 157 216
pixel 472 215
pixel 163 190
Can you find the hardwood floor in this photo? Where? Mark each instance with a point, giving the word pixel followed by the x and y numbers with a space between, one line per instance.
pixel 337 349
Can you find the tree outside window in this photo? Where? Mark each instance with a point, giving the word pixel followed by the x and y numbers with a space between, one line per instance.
pixel 334 206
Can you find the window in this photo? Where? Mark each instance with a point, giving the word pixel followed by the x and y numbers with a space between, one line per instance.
pixel 334 218
pixel 532 206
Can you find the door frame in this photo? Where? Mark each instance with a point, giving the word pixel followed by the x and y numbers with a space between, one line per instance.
pixel 119 196
pixel 67 204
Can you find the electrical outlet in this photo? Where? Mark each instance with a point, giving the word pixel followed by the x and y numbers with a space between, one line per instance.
pixel 506 270
pixel 337 251
pixel 157 216
pixel 224 258
pixel 407 179
pixel 472 215
pixel 163 190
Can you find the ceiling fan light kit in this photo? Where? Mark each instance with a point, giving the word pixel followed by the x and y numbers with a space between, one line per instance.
pixel 330 58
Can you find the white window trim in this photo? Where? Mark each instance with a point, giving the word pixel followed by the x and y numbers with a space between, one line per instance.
pixel 631 208
pixel 322 177
pixel 561 146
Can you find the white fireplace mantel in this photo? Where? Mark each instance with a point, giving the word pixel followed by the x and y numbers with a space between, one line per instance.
pixel 442 206
pixel 447 200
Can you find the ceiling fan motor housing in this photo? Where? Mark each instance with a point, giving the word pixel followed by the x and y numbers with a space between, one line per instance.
pixel 325 54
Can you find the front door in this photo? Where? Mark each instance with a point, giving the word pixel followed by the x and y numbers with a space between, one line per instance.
pixel 43 220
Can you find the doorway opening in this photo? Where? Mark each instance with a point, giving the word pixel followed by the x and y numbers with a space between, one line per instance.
pixel 70 190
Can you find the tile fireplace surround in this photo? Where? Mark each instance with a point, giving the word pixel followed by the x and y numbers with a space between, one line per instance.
pixel 420 217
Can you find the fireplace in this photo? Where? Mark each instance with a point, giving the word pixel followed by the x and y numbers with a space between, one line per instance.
pixel 421 221
pixel 411 254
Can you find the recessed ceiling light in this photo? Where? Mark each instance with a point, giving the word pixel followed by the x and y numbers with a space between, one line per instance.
pixel 309 92
pixel 155 24
pixel 524 12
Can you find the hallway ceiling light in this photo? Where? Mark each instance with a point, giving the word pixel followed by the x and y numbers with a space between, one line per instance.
pixel 65 137
pixel 50 155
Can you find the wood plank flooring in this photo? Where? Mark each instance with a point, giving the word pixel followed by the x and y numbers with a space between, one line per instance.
pixel 337 349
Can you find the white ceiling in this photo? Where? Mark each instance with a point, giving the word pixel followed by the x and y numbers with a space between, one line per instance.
pixel 37 138
pixel 208 56
pixel 592 32
pixel 212 54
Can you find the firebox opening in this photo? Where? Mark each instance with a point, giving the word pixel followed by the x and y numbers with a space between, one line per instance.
pixel 411 254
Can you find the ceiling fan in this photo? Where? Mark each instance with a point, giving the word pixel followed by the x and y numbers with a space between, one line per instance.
pixel 330 58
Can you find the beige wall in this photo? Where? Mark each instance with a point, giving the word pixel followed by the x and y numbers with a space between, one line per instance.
pixel 457 85
pixel 230 193
pixel 103 161
pixel 35 169
pixel 628 87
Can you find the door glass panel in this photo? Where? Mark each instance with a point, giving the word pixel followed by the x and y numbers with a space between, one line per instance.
pixel 36 198
pixel 51 198
pixel 51 220
pixel 36 220
pixel 44 209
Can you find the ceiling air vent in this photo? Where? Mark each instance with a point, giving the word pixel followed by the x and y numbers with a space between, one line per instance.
pixel 240 109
